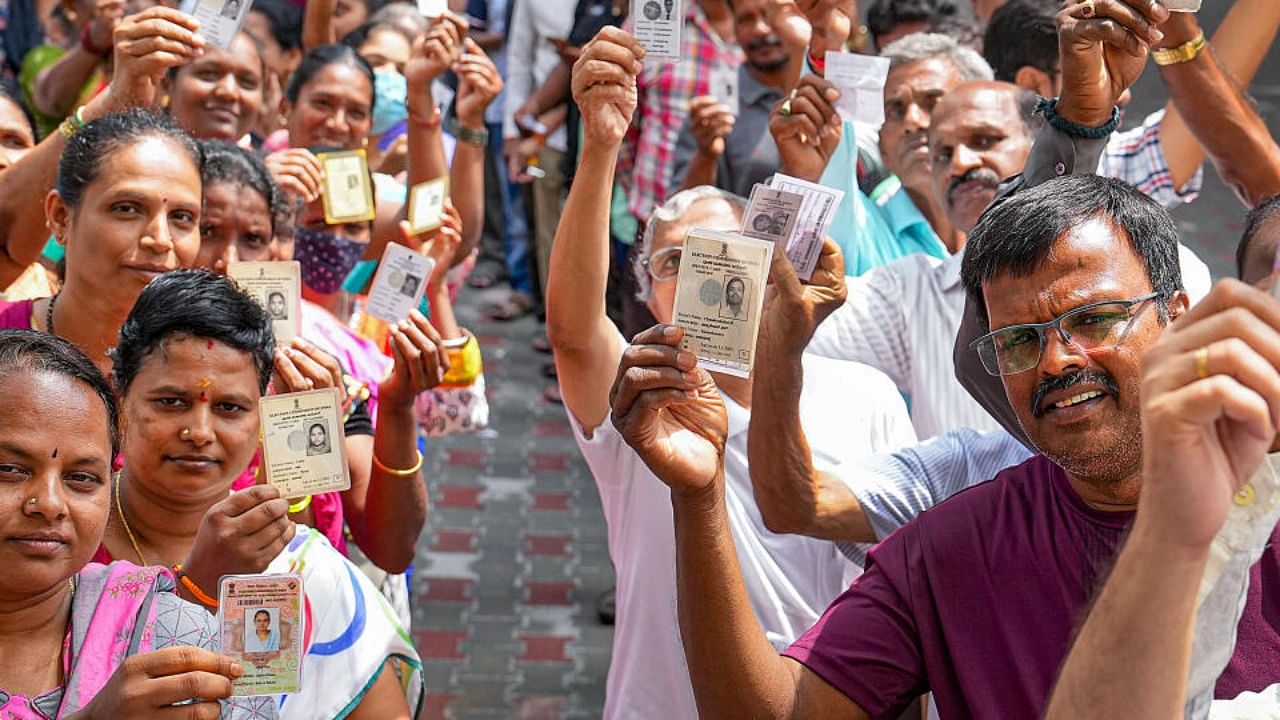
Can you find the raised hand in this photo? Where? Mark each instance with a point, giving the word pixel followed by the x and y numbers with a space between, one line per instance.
pixel 440 244
pixel 478 84
pixel 669 411
pixel 711 123
pixel 421 360
pixel 794 310
pixel 604 85
pixel 806 128
pixel 302 366
pixel 1210 411
pixel 297 173
pixel 147 45
pixel 1104 46
pixel 149 684
pixel 435 53
pixel 832 22
pixel 241 534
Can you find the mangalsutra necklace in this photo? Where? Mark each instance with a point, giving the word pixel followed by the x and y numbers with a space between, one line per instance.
pixel 48 315
pixel 125 521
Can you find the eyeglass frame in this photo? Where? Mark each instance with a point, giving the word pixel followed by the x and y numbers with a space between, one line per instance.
pixel 646 263
pixel 1054 324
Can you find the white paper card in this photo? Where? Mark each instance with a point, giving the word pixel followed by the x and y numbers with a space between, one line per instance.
pixel 399 284
pixel 278 287
pixel 861 81
pixel 220 20
pixel 443 95
pixel 724 87
pixel 433 8
pixel 658 25
pixel 1181 5
pixel 719 295
pixel 816 213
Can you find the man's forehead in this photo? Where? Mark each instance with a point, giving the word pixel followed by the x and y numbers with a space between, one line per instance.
pixel 975 104
pixel 935 73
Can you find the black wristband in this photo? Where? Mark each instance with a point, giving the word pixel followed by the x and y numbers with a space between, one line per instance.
pixel 1049 108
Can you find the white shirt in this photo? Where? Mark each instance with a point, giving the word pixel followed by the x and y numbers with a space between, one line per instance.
pixel 848 412
pixel 531 57
pixel 902 318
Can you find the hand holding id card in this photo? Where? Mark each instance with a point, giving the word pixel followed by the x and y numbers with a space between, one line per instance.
pixel 278 287
pixel 302 438
pixel 220 20
pixel 804 244
pixel 262 626
pixel 347 187
pixel 426 205
pixel 719 295
pixel 400 283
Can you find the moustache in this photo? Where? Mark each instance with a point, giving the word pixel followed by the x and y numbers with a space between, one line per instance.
pixel 768 41
pixel 1063 382
pixel 913 142
pixel 986 176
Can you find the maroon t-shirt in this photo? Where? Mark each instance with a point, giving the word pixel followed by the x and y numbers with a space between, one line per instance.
pixel 978 599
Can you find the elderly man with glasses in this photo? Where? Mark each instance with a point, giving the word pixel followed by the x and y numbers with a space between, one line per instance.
pixel 852 413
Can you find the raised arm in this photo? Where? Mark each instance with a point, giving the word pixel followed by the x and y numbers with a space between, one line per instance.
pixel 145 46
pixel 1233 136
pixel 793 495
pixel 478 84
pixel 587 346
pixel 1210 411
pixel 317 24
pixel 670 412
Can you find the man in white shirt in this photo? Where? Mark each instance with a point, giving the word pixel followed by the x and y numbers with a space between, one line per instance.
pixel 850 410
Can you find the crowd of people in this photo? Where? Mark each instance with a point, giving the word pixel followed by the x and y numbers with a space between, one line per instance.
pixel 1006 453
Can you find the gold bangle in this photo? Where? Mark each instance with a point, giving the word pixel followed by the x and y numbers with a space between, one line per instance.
pixel 299 506
pixel 1186 52
pixel 399 473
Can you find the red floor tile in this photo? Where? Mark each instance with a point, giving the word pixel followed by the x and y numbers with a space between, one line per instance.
pixel 463 541
pixel 553 545
pixel 460 496
pixel 454 457
pixel 548 593
pixel 551 500
pixel 447 590
pixel 544 648
pixel 437 704
pixel 551 428
pixel 548 462
pixel 541 708
pixel 440 644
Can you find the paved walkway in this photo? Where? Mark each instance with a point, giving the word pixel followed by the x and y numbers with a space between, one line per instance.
pixel 514 555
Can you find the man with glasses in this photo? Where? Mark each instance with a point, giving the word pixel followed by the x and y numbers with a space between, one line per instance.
pixel 977 599
pixel 852 412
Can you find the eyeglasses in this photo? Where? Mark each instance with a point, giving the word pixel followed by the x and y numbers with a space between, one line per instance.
pixel 1018 348
pixel 664 265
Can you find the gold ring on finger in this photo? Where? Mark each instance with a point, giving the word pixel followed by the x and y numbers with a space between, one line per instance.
pixel 1201 358
pixel 786 108
pixel 1088 9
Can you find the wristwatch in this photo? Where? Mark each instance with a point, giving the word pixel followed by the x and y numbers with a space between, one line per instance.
pixel 479 138
pixel 1186 52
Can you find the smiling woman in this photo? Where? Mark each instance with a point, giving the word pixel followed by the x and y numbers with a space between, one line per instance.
pixel 127 207
pixel 219 94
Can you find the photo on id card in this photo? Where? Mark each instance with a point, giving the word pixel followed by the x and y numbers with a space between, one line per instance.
pixel 426 205
pixel 220 20
pixel 719 295
pixel 302 450
pixel 277 286
pixel 658 25
pixel 262 626
pixel 399 283
pixel 347 187
pixel 771 215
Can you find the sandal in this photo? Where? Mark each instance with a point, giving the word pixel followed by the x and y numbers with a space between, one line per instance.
pixel 514 308
pixel 484 277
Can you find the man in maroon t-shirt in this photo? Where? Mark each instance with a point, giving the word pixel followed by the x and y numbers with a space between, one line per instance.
pixel 977 599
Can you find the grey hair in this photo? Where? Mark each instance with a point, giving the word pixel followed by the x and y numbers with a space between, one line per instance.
pixel 672 210
pixel 922 46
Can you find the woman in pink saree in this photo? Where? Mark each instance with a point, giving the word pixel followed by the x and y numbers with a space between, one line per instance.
pixel 82 640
